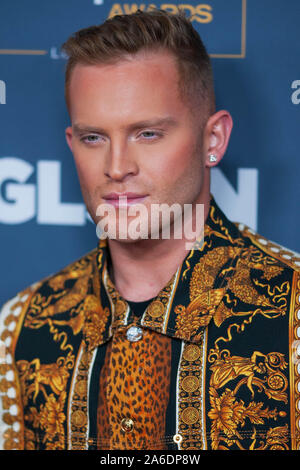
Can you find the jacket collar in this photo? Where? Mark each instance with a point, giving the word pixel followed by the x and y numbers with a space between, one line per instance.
pixel 186 305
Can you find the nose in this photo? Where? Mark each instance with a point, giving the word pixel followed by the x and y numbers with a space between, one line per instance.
pixel 120 161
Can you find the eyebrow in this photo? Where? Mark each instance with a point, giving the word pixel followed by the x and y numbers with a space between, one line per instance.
pixel 79 128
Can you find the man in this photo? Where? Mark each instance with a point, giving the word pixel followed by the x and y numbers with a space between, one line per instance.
pixel 143 344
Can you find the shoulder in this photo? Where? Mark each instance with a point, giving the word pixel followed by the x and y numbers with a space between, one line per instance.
pixel 33 299
pixel 280 254
pixel 13 310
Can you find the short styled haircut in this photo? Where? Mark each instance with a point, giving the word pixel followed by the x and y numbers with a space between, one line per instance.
pixel 127 35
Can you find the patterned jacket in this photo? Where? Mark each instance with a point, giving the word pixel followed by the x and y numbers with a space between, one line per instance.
pixel 212 363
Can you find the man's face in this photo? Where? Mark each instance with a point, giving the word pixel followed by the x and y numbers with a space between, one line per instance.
pixel 142 137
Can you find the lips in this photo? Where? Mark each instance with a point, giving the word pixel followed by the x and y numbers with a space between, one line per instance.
pixel 124 199
pixel 128 195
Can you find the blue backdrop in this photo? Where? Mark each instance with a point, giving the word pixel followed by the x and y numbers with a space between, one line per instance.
pixel 254 47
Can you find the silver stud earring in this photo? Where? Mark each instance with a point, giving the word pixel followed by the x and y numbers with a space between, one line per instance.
pixel 212 158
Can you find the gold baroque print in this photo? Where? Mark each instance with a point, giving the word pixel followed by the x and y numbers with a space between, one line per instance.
pixel 35 377
pixel 207 243
pixel 46 420
pixel 76 270
pixel 275 251
pixel 119 305
pixel 95 319
pixel 269 367
pixel 48 424
pixel 228 415
pixel 79 401
pixel 218 221
pixel 208 267
pixel 197 246
pixel 276 296
pixel 243 290
pixel 197 314
pixel 276 439
pixel 52 418
pixel 50 380
pixel 42 308
pixel 260 373
pixel 294 340
pixel 154 315
pixel 156 309
pixel 243 287
pixel 88 315
pixel 204 300
pixel 191 404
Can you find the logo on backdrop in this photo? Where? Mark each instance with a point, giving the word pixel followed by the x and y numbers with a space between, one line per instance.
pixel 2 92
pixel 208 18
pixel 296 94
pixel 21 201
pixel 202 13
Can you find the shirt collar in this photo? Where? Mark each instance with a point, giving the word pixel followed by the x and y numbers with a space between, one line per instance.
pixel 186 305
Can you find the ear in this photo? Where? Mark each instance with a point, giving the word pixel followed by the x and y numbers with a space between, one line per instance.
pixel 68 134
pixel 216 136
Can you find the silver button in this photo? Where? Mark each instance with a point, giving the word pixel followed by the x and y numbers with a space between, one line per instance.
pixel 134 333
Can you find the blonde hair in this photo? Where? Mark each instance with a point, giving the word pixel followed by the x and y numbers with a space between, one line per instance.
pixel 154 30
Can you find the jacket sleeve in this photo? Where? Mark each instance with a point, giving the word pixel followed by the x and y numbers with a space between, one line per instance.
pixel 12 430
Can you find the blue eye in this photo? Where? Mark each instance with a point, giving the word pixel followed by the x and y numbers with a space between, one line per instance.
pixel 151 135
pixel 87 138
pixel 146 133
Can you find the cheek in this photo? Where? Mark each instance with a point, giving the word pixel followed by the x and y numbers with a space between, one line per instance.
pixel 178 164
pixel 87 170
pixel 89 179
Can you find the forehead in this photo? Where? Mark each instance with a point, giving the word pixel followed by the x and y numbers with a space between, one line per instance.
pixel 146 80
pixel 160 64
